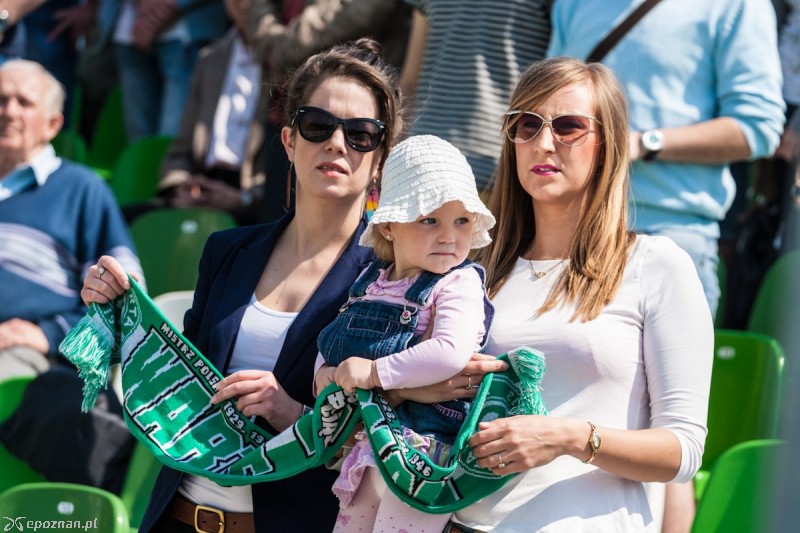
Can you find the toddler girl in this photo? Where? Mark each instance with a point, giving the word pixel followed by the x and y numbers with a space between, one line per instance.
pixel 429 217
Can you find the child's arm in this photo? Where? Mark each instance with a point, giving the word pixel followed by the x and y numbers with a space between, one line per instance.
pixel 458 327
pixel 323 375
pixel 357 372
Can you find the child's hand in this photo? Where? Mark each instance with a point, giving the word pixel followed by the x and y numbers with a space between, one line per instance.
pixel 324 377
pixel 355 372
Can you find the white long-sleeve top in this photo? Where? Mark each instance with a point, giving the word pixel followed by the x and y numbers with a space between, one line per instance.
pixel 644 362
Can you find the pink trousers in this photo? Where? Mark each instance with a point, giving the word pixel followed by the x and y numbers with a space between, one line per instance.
pixel 374 508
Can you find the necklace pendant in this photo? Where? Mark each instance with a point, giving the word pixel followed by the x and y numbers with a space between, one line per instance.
pixel 539 275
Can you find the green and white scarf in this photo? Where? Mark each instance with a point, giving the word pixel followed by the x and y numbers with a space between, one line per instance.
pixel 168 384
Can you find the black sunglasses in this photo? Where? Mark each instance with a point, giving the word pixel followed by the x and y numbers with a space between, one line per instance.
pixel 317 125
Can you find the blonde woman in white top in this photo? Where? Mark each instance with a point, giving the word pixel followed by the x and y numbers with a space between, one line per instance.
pixel 621 318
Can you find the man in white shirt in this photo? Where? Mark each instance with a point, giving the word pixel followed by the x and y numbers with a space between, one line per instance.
pixel 218 157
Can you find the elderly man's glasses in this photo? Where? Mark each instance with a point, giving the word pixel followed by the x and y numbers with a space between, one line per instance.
pixel 570 130
pixel 317 125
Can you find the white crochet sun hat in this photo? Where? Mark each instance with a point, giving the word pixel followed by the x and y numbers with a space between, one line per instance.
pixel 421 174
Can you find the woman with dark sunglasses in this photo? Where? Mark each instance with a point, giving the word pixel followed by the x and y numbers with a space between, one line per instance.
pixel 621 318
pixel 265 292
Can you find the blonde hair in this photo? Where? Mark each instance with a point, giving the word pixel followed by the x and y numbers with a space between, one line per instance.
pixel 383 248
pixel 599 250
pixel 54 94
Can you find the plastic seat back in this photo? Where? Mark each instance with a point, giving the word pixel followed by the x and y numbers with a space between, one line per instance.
pixel 139 482
pixel 70 507
pixel 136 173
pixel 740 492
pixel 109 138
pixel 70 145
pixel 776 309
pixel 745 398
pixel 174 305
pixel 13 471
pixel 169 243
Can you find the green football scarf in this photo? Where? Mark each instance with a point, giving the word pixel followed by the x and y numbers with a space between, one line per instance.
pixel 168 383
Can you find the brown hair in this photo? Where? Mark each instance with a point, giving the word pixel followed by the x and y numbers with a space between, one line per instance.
pixel 361 61
pixel 599 250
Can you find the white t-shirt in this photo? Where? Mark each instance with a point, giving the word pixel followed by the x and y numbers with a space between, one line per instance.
pixel 644 362
pixel 236 108
pixel 258 345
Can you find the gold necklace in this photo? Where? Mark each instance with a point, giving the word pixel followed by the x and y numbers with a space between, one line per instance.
pixel 539 275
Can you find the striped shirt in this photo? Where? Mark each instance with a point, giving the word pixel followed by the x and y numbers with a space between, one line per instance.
pixel 474 55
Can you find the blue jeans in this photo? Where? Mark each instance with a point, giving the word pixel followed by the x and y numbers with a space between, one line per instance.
pixel 704 252
pixel 13 45
pixel 59 57
pixel 155 86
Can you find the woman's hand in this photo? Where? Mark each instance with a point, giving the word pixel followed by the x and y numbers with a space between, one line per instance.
pixel 463 385
pixel 105 281
pixel 259 393
pixel 519 443
pixel 324 377
pixel 789 148
pixel 201 191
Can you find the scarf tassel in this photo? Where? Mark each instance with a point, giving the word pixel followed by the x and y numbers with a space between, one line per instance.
pixel 530 367
pixel 90 345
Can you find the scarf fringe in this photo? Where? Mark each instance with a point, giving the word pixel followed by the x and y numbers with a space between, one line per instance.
pixel 530 367
pixel 89 346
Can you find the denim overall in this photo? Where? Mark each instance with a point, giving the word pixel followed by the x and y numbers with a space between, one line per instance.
pixel 375 329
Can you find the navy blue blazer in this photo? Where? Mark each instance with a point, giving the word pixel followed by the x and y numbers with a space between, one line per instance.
pixel 230 267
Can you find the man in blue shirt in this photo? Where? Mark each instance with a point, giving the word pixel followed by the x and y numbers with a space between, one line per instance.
pixel 56 219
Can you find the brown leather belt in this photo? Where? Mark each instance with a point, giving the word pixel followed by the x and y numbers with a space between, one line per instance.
pixel 453 527
pixel 210 520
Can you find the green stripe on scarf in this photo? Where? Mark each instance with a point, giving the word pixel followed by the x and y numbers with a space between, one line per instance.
pixel 168 384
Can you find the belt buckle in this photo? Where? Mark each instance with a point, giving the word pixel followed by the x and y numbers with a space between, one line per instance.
pixel 220 515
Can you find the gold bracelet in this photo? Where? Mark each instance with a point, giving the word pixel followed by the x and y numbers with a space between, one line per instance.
pixel 594 442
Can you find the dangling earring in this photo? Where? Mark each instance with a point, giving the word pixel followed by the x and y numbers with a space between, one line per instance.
pixel 289 187
pixel 372 198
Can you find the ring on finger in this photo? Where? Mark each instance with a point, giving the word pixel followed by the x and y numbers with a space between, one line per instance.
pixel 469 382
pixel 100 272
pixel 500 463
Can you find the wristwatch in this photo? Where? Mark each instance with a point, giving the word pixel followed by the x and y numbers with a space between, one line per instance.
pixel 594 442
pixel 3 20
pixel 652 143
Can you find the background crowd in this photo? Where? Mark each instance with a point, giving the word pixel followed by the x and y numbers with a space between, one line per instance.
pixel 712 92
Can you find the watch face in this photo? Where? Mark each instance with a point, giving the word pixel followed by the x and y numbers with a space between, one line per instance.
pixel 653 140
pixel 595 439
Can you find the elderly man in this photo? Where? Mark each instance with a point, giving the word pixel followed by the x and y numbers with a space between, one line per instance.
pixel 56 219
